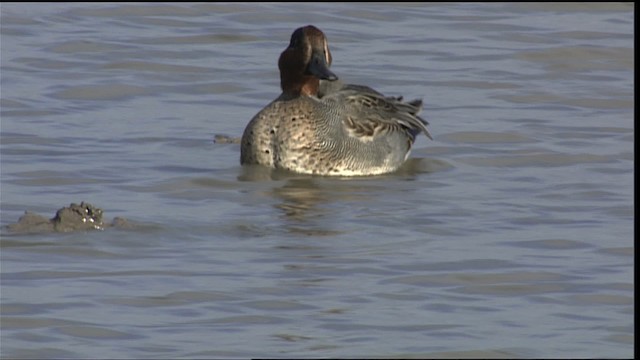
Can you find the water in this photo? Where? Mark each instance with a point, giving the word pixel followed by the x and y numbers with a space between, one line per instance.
pixel 510 235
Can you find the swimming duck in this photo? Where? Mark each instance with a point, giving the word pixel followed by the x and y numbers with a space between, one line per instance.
pixel 320 126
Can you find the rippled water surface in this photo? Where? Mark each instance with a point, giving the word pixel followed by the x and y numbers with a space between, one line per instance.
pixel 509 235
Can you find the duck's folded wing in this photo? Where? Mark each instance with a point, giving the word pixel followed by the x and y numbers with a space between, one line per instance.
pixel 370 113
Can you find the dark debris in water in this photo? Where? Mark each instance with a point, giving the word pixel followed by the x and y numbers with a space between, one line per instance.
pixel 225 139
pixel 74 217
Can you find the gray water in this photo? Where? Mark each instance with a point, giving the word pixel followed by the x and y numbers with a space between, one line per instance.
pixel 509 235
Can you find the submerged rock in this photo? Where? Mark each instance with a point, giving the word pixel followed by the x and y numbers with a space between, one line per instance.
pixel 71 218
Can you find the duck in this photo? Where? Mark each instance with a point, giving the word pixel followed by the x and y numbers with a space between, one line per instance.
pixel 321 126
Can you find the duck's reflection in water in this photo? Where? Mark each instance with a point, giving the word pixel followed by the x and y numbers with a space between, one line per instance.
pixel 311 205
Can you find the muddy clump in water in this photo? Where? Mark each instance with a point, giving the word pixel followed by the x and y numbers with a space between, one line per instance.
pixel 70 218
